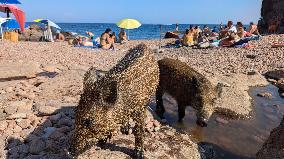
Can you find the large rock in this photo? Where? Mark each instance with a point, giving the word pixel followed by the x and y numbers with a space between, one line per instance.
pixel 18 70
pixel 274 146
pixel 33 33
pixel 272 13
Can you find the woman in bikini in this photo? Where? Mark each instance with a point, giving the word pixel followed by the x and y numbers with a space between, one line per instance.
pixel 106 41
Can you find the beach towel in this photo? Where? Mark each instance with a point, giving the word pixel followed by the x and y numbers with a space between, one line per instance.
pixel 277 45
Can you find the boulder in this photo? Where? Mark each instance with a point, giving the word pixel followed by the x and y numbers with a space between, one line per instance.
pixel 169 35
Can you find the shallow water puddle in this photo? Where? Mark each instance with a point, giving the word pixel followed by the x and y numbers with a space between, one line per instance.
pixel 233 139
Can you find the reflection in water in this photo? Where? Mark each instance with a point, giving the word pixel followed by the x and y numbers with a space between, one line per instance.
pixel 238 139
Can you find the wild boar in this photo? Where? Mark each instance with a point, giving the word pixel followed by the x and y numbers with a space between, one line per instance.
pixel 188 87
pixel 110 100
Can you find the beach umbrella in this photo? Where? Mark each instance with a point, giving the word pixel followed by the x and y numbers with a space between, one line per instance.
pixel 10 2
pixel 17 12
pixel 11 24
pixel 47 22
pixel 128 24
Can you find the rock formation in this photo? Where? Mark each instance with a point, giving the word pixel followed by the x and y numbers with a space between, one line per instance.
pixel 272 16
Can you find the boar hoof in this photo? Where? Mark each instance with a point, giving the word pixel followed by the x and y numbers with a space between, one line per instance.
pixel 201 122
pixel 139 154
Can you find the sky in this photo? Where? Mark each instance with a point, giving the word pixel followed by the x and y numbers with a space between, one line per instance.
pixel 146 11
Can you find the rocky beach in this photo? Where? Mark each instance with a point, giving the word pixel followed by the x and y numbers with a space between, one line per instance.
pixel 41 83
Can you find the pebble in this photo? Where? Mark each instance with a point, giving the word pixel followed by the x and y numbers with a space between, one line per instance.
pixel 156 123
pixel 17 129
pixel 46 110
pixel 17 116
pixel 265 94
pixel 25 106
pixel 3 125
pixel 221 120
pixel 24 123
pixel 11 109
pixel 37 146
pixel 271 80
pixel 9 89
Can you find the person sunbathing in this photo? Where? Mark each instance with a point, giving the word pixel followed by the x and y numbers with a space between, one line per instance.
pixel 253 29
pixel 122 37
pixel 106 41
pixel 59 36
pixel 187 39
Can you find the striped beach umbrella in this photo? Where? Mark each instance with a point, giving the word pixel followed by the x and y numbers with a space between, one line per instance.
pixel 47 22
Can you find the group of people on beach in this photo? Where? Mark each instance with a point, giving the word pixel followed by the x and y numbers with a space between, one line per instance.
pixel 106 41
pixel 227 36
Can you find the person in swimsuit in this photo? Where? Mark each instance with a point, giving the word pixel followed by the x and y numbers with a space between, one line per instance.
pixel 241 31
pixel 122 37
pixel 106 41
pixel 253 29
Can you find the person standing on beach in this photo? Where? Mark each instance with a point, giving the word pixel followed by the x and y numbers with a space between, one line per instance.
pixel 106 41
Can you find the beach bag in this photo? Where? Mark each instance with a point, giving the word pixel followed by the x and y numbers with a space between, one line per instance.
pixel 12 36
pixel 204 45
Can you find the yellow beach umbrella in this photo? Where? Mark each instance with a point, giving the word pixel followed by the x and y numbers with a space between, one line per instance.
pixel 128 24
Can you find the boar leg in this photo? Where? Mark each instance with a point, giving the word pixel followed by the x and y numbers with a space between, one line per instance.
pixel 139 130
pixel 181 112
pixel 125 128
pixel 160 109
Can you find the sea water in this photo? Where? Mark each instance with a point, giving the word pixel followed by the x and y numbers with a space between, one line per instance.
pixel 145 32
pixel 237 139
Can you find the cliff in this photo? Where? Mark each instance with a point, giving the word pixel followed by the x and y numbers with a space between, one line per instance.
pixel 272 16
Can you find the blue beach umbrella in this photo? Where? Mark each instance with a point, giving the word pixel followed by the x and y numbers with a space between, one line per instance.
pixel 11 24
pixel 10 2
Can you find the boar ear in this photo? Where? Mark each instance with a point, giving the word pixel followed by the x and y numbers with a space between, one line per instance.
pixel 109 92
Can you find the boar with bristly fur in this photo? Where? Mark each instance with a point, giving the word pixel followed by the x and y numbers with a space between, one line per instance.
pixel 110 100
pixel 188 87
